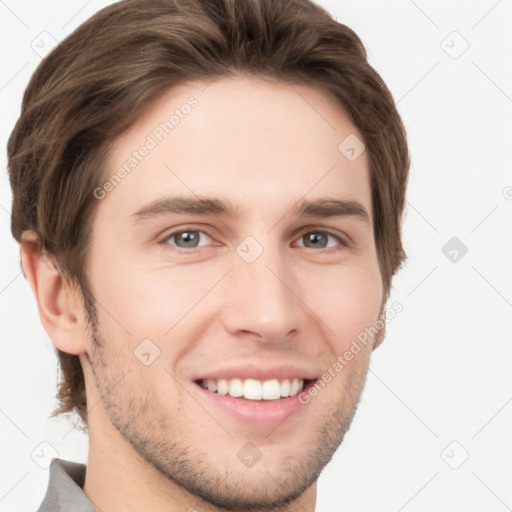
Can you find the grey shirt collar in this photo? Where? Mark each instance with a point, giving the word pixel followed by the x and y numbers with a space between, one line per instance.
pixel 64 493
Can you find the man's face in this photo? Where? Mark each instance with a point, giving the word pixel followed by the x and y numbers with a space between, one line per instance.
pixel 241 300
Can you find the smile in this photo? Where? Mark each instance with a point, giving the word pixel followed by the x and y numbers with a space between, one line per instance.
pixel 252 389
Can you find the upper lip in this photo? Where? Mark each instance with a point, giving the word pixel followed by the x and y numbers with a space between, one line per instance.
pixel 259 372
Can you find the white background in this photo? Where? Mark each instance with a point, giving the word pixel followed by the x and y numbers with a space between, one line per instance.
pixel 439 388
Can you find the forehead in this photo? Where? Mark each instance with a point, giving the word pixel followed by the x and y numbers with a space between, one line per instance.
pixel 246 140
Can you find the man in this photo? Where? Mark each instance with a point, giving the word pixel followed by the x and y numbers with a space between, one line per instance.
pixel 208 197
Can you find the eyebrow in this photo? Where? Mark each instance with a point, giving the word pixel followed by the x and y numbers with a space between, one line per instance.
pixel 193 205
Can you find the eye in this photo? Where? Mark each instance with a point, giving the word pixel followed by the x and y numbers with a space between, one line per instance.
pixel 313 239
pixel 319 239
pixel 186 239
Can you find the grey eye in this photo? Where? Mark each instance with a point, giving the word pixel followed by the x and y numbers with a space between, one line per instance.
pixel 186 239
pixel 315 239
pixel 319 240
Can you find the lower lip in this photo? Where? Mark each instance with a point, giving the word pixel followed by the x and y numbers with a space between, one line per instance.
pixel 258 413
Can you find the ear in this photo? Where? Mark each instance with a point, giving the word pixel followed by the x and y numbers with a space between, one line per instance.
pixel 379 338
pixel 59 305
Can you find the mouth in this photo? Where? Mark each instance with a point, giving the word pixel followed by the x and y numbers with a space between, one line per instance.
pixel 256 395
pixel 256 390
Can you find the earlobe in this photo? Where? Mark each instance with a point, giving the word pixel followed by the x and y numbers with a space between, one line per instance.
pixel 58 306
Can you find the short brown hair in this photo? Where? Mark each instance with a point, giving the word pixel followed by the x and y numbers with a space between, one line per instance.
pixel 97 81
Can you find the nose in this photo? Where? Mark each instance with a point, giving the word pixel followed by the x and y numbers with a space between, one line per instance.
pixel 261 299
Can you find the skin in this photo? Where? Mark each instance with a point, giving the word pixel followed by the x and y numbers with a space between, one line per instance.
pixel 153 444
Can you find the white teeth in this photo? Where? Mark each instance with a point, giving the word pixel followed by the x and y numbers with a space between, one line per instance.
pixel 271 390
pixel 285 388
pixel 253 389
pixel 294 387
pixel 236 388
pixel 222 387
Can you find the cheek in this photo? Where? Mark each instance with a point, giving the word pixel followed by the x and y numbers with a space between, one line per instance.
pixel 348 303
pixel 156 300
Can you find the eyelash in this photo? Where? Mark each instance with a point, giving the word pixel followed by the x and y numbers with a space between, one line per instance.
pixel 342 243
